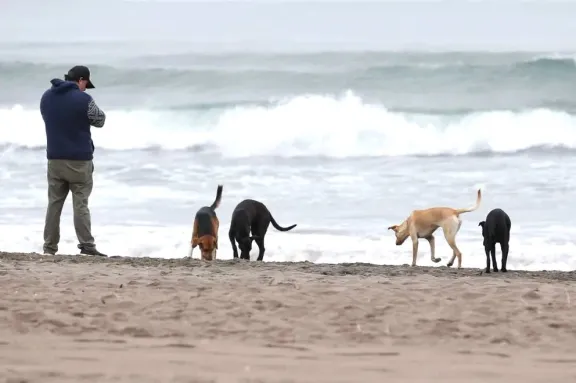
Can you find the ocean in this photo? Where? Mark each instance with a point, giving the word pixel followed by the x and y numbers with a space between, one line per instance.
pixel 344 144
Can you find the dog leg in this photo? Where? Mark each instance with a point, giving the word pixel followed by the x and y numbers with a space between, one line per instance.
pixel 451 243
pixel 487 250
pixel 455 251
pixel 450 231
pixel 260 242
pixel 432 249
pixel 454 254
pixel 493 256
pixel 414 249
pixel 504 248
pixel 459 253
pixel 231 235
pixel 194 239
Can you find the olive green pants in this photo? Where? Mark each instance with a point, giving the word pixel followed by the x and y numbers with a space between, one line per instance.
pixel 68 176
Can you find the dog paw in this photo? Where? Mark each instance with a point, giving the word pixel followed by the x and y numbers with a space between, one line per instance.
pixel 487 271
pixel 504 270
pixel 413 265
pixel 495 270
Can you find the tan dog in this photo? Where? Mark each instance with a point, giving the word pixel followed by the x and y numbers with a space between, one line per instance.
pixel 205 232
pixel 423 223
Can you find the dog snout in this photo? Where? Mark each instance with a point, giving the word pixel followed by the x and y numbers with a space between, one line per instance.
pixel 400 241
pixel 207 255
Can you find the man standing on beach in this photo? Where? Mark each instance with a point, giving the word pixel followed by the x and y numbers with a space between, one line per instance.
pixel 68 113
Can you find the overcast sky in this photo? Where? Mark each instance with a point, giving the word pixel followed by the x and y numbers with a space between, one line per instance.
pixel 462 25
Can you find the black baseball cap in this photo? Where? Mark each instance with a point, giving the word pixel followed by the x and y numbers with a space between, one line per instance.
pixel 79 72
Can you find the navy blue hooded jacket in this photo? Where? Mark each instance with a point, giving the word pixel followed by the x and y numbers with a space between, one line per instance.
pixel 68 114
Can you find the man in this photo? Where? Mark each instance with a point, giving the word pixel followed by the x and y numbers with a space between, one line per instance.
pixel 68 113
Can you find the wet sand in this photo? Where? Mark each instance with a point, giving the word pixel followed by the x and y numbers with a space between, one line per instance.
pixel 72 319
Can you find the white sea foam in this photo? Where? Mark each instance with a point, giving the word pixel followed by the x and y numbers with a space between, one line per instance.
pixel 312 125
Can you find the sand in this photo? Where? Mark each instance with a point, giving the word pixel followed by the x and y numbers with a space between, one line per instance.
pixel 84 319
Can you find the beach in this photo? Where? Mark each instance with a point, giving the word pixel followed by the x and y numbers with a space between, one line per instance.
pixel 340 117
pixel 72 318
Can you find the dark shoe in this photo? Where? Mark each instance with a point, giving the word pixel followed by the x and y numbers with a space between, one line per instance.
pixel 90 251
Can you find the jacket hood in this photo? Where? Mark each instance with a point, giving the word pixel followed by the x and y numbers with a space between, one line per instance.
pixel 61 86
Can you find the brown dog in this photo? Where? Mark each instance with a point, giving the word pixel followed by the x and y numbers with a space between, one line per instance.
pixel 205 232
pixel 423 223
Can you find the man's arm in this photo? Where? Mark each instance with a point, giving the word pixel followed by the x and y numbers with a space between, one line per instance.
pixel 96 115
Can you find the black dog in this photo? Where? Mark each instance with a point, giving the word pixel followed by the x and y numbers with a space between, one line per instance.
pixel 496 229
pixel 251 216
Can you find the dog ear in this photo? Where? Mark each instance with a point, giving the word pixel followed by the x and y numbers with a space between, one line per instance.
pixel 393 227
pixel 481 223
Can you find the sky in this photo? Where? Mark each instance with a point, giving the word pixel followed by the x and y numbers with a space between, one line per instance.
pixel 273 25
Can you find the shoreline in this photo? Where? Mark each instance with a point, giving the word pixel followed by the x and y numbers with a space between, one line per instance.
pixel 328 269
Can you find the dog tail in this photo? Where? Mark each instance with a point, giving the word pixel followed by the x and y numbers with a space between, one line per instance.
pixel 278 227
pixel 216 202
pixel 476 206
